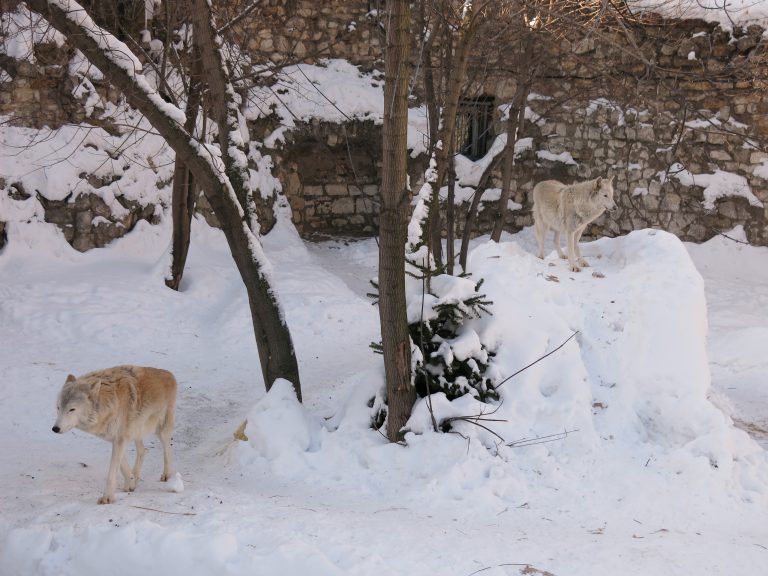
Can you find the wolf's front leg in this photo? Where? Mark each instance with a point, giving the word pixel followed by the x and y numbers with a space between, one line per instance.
pixel 118 449
pixel 582 262
pixel 572 265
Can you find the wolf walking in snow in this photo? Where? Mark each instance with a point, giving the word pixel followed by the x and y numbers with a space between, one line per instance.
pixel 121 405
pixel 569 208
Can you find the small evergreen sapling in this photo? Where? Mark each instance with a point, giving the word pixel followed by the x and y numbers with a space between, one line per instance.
pixel 447 355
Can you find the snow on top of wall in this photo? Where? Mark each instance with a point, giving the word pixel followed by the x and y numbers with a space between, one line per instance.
pixel 727 13
pixel 718 185
pixel 564 157
pixel 21 30
pixel 56 163
pixel 333 91
pixel 762 170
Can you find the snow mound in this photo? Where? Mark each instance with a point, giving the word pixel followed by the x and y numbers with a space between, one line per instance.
pixel 279 427
pixel 175 483
pixel 636 377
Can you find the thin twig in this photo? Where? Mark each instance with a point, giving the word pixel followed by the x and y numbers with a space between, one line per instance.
pixel 536 361
pixel 246 11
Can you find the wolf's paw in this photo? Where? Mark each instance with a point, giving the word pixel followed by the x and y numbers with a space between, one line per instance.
pixel 130 486
pixel 563 256
pixel 583 263
pixel 574 268
pixel 164 477
pixel 105 500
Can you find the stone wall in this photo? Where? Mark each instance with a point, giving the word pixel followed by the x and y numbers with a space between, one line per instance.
pixel 705 113
pixel 701 105
pixel 331 175
pixel 85 220
pixel 306 30
pixel 702 111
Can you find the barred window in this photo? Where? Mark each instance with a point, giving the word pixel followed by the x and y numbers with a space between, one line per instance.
pixel 474 127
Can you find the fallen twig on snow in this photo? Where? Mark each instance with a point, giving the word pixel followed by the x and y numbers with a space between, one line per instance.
pixel 541 439
pixel 165 511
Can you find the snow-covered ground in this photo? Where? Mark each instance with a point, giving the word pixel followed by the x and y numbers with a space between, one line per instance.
pixel 651 479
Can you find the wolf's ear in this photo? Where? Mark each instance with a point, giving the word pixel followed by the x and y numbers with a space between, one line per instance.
pixel 70 378
pixel 598 183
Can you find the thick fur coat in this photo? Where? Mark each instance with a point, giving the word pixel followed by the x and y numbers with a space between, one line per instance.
pixel 569 208
pixel 121 405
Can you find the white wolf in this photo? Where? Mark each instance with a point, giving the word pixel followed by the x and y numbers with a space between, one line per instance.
pixel 569 209
pixel 121 405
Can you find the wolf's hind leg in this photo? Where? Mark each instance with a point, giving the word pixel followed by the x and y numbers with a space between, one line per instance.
pixel 164 432
pixel 129 484
pixel 140 451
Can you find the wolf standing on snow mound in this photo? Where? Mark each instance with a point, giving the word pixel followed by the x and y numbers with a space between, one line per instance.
pixel 569 209
pixel 121 405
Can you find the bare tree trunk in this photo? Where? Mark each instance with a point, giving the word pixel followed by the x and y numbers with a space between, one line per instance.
pixel 516 118
pixel 450 214
pixel 183 193
pixel 393 219
pixel 514 123
pixel 456 79
pixel 273 339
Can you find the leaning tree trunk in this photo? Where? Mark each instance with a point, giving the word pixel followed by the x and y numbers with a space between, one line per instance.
pixel 223 190
pixel 471 215
pixel 273 339
pixel 393 219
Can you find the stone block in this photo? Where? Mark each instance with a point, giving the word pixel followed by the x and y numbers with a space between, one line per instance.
pixel 720 155
pixel 336 190
pixel 343 206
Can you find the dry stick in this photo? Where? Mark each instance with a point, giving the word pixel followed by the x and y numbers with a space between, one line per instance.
pixel 537 360
pixel 541 439
pixel 164 511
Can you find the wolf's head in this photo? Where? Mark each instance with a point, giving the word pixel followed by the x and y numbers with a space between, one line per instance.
pixel 75 404
pixel 602 193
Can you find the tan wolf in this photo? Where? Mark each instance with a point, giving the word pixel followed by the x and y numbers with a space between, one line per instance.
pixel 569 209
pixel 121 405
